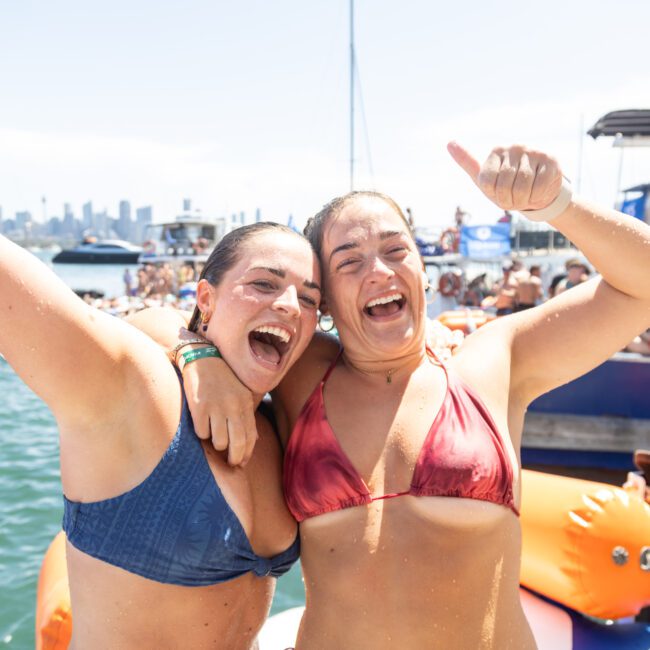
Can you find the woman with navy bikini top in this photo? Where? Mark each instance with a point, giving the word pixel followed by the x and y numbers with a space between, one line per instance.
pixel 168 545
pixel 404 473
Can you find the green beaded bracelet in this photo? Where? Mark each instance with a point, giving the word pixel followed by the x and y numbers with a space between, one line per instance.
pixel 200 353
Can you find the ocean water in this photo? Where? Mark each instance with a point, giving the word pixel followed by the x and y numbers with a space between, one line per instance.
pixel 30 489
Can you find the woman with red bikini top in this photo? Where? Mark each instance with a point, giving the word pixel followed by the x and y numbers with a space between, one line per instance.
pixel 404 473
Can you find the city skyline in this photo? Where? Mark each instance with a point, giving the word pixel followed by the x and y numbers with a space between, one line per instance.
pixel 99 224
pixel 249 107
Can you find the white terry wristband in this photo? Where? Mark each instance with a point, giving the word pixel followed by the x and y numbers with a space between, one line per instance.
pixel 555 208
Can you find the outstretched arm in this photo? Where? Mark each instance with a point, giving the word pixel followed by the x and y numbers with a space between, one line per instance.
pixel 571 334
pixel 74 357
pixel 222 407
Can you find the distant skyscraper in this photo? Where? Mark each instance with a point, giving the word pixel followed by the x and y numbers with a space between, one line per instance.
pixel 187 205
pixel 68 226
pixel 124 221
pixel 87 221
pixel 101 224
pixel 143 216
pixel 23 218
pixel 54 227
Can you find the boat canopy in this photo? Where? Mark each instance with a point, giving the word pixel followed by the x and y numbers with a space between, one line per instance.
pixel 634 123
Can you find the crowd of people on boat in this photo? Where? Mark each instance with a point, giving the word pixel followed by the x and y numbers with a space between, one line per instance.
pixel 521 287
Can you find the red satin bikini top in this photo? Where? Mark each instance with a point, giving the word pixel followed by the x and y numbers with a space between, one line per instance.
pixel 463 456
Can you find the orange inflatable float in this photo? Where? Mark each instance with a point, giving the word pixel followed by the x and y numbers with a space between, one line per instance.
pixel 586 546
pixel 466 320
pixel 53 615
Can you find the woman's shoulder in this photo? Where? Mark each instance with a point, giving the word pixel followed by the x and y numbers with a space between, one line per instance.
pixel 307 372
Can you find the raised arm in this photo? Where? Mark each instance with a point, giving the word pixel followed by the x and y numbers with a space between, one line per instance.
pixel 222 407
pixel 73 356
pixel 572 333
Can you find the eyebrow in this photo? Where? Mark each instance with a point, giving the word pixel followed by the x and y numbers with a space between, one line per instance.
pixel 280 273
pixel 387 234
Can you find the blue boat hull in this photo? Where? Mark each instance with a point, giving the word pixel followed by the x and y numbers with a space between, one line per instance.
pixel 620 387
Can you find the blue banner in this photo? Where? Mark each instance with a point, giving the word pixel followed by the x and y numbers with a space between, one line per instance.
pixel 634 207
pixel 485 242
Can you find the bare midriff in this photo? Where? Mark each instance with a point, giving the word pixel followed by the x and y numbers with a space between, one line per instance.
pixel 115 609
pixel 414 572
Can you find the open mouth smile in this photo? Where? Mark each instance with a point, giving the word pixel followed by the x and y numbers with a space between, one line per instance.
pixel 387 305
pixel 270 343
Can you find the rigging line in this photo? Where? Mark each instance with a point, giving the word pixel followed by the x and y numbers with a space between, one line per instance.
pixel 365 125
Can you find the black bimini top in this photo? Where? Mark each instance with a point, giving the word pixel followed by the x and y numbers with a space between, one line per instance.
pixel 628 123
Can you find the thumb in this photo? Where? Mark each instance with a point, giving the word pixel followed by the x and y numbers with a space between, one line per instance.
pixel 465 159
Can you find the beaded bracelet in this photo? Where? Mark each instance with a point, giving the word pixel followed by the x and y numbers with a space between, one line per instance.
pixel 173 353
pixel 199 353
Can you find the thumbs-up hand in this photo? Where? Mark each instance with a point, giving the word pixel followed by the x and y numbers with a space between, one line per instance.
pixel 514 178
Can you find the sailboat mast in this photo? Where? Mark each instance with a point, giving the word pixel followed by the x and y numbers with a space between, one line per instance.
pixel 351 95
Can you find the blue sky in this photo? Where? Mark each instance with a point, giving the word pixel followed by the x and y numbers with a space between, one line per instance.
pixel 244 104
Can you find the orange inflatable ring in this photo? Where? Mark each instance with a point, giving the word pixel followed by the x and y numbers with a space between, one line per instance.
pixel 466 320
pixel 53 614
pixel 449 284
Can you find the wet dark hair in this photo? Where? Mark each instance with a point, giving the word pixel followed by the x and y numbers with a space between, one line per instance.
pixel 227 253
pixel 316 225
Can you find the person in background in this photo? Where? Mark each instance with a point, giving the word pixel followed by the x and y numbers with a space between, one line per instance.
pixel 127 278
pixel 476 291
pixel 504 292
pixel 186 273
pixel 529 287
pixel 577 272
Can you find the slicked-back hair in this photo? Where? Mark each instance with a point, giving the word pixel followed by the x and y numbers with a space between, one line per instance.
pixel 316 225
pixel 227 253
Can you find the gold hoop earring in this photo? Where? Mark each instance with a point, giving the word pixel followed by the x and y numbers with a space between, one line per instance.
pixel 205 319
pixel 320 325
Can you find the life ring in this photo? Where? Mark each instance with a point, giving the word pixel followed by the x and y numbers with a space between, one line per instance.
pixel 449 240
pixel 149 247
pixel 449 284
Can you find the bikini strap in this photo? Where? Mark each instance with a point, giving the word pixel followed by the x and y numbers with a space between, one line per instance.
pixel 436 360
pixel 332 366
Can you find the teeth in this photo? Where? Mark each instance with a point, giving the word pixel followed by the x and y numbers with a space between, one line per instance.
pixel 384 300
pixel 282 334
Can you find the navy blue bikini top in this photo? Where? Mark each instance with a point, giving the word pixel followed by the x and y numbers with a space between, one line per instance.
pixel 175 527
